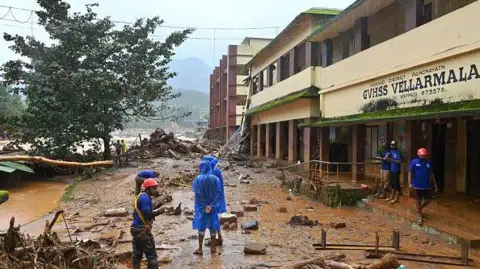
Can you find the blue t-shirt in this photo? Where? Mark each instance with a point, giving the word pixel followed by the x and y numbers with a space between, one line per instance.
pixel 146 174
pixel 144 203
pixel 385 164
pixel 395 154
pixel 420 170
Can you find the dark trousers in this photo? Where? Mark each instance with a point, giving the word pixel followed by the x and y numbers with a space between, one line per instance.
pixel 143 242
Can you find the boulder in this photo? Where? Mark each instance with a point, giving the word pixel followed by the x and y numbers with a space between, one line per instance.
pixel 237 210
pixel 226 218
pixel 117 212
pixel 255 249
pixel 250 225
pixel 339 225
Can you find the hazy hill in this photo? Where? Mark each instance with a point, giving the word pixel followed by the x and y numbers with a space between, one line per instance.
pixel 192 73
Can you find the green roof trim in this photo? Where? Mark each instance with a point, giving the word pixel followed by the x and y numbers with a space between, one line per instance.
pixel 323 11
pixel 311 92
pixel 6 169
pixel 18 166
pixel 463 108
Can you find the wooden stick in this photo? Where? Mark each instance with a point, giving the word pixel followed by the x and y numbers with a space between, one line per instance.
pixel 66 226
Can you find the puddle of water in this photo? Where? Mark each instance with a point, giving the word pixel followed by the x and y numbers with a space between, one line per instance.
pixel 30 200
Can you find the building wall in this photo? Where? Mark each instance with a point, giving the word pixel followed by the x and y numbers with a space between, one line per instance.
pixel 299 109
pixel 387 23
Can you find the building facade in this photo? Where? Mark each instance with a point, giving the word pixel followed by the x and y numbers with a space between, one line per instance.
pixel 228 91
pixel 381 70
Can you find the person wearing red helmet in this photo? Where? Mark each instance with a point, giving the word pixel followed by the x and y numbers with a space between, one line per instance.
pixel 421 180
pixel 141 228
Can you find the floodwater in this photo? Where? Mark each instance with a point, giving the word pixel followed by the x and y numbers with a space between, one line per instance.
pixel 30 200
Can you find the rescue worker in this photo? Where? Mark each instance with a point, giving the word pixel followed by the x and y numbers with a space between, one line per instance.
pixel 207 189
pixel 144 174
pixel 124 146
pixel 421 180
pixel 222 204
pixel 385 172
pixel 141 228
pixel 395 168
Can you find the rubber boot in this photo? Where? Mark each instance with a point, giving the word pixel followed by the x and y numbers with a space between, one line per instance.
pixel 199 251
pixel 213 246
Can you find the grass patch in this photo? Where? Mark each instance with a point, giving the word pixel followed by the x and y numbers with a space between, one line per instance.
pixel 69 193
pixel 323 11
pixel 429 111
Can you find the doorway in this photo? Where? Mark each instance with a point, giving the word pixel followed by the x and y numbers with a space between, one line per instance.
pixel 438 154
pixel 473 158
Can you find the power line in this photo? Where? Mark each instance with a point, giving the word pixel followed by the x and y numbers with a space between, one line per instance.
pixel 183 27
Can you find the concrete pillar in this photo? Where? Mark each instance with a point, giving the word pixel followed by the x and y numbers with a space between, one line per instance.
pixel 309 51
pixel 260 81
pixel 252 139
pixel 259 141
pixel 268 146
pixel 410 153
pixel 279 139
pixel 360 35
pixel 327 52
pixel 279 69
pixel 461 155
pixel 413 13
pixel 358 152
pixel 292 141
pixel 324 144
pixel 307 137
pixel 291 68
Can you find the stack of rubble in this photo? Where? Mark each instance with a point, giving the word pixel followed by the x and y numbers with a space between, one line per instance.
pixel 47 251
pixel 12 147
pixel 162 144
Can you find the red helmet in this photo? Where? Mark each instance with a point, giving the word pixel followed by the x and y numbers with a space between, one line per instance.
pixel 149 182
pixel 422 152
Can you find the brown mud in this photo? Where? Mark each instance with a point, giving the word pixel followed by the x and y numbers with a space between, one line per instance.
pixel 177 241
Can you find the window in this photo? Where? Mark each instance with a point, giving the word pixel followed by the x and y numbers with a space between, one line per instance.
pixel 372 142
pixel 426 13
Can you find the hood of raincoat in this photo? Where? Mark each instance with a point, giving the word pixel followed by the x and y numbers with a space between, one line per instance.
pixel 205 167
pixel 213 161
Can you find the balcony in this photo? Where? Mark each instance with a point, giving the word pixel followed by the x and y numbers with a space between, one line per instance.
pixel 300 81
pixel 438 39
pixel 240 110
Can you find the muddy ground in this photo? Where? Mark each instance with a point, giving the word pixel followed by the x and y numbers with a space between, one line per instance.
pixel 286 243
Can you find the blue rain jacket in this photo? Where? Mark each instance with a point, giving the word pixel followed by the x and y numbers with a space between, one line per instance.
pixel 207 189
pixel 214 161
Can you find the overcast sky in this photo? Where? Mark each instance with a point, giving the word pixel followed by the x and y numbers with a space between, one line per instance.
pixel 203 13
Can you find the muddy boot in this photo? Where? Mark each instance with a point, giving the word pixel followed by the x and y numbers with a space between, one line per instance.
pixel 213 246
pixel 199 251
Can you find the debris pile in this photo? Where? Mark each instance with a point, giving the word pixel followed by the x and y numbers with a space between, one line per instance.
pixel 179 179
pixel 162 144
pixel 12 147
pixel 47 251
pixel 302 220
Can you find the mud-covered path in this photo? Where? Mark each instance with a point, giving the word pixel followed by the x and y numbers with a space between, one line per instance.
pixel 286 243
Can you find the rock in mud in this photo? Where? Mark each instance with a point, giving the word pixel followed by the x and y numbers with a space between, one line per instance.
pixel 338 225
pixel 302 220
pixel 175 166
pixel 237 210
pixel 282 209
pixel 254 201
pixel 250 208
pixel 164 260
pixel 117 212
pixel 187 211
pixel 255 249
pixel 233 226
pixel 244 182
pixel 227 218
pixel 250 225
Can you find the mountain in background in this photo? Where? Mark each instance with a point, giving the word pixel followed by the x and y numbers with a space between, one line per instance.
pixel 192 73
pixel 193 101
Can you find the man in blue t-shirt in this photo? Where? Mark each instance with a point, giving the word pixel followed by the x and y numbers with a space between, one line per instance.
pixel 141 228
pixel 395 168
pixel 385 172
pixel 144 174
pixel 421 179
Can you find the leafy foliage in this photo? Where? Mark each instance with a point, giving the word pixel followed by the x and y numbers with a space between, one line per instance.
pixel 11 107
pixel 93 79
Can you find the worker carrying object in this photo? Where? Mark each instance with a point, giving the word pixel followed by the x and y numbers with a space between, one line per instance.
pixel 207 189
pixel 421 179
pixel 141 228
pixel 222 204
pixel 144 174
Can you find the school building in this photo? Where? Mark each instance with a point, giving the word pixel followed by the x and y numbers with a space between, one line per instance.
pixel 228 90
pixel 334 85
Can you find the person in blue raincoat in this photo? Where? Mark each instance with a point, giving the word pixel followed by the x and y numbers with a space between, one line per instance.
pixel 207 189
pixel 223 205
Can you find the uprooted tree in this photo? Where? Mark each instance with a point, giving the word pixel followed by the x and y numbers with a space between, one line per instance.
pixel 91 80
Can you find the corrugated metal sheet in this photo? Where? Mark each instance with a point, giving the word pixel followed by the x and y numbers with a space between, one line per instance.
pixel 18 166
pixel 6 169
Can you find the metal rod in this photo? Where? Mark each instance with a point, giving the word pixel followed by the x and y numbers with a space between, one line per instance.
pixel 66 226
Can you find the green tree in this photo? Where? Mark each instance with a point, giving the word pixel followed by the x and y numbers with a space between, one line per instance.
pixel 93 79
pixel 11 107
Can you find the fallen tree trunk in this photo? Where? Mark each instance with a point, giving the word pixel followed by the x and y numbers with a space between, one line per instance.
pixel 38 159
